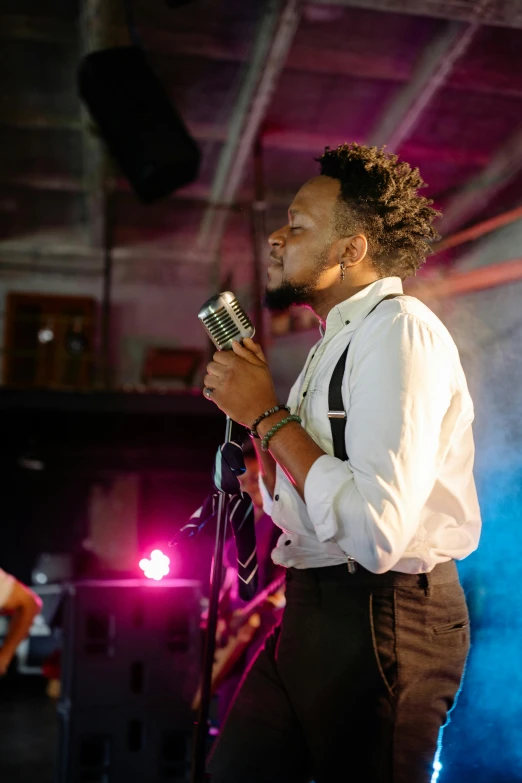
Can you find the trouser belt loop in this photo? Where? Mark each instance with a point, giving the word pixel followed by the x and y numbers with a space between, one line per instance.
pixel 427 584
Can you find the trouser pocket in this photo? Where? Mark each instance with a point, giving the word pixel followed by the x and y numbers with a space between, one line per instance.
pixel 382 623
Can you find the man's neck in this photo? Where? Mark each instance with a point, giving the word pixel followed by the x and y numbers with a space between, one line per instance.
pixel 327 299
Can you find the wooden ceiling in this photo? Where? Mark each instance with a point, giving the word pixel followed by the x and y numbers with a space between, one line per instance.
pixel 439 81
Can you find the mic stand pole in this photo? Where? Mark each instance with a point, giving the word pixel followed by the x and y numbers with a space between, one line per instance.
pixel 201 732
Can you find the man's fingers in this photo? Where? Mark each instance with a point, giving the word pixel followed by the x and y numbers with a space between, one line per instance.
pixel 253 346
pixel 249 350
pixel 256 348
pixel 213 368
pixel 223 357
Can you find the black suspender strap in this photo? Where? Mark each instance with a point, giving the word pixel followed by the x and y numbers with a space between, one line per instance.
pixel 336 411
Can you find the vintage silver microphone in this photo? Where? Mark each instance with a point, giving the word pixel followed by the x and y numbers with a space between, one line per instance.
pixel 225 320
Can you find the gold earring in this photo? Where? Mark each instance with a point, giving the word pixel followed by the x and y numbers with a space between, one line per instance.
pixel 342 270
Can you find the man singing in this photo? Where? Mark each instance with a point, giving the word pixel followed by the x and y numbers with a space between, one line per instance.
pixel 368 473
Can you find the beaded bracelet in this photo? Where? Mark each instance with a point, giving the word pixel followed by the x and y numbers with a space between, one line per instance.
pixel 265 415
pixel 276 428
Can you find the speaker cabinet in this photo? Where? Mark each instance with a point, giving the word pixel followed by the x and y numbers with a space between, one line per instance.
pixel 144 132
pixel 122 745
pixel 130 641
pixel 131 660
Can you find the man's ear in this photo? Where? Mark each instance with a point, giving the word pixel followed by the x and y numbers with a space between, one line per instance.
pixel 352 250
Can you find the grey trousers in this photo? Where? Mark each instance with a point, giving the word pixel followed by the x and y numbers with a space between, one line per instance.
pixel 354 685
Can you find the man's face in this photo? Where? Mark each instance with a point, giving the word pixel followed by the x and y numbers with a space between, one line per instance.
pixel 300 251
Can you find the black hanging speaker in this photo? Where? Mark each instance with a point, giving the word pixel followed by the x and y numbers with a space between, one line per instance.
pixel 142 129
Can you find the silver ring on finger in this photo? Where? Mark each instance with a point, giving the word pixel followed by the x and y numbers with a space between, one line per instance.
pixel 207 392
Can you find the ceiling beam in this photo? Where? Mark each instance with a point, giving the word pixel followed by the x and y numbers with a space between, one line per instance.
pixel 275 35
pixel 273 138
pixel 159 265
pixel 39 250
pixel 28 266
pixel 301 57
pixel 24 27
pixel 195 192
pixel 303 141
pixel 159 271
pixel 508 14
pixel 479 191
pixel 460 283
pixel 478 230
pixel 432 71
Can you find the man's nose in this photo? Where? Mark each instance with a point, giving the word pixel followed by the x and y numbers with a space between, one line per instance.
pixel 276 240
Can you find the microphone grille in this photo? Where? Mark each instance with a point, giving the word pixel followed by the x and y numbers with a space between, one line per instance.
pixel 241 315
pixel 225 320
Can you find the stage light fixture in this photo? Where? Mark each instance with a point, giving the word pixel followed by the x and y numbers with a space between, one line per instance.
pixel 157 566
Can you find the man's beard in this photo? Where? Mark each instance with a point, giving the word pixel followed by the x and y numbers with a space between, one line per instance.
pixel 289 293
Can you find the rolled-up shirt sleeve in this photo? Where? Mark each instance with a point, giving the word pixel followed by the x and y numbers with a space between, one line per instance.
pixel 267 499
pixel 399 402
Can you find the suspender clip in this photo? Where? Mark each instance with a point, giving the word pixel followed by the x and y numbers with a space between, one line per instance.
pixel 352 565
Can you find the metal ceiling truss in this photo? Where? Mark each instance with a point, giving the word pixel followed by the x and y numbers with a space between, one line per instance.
pixel 479 191
pixel 435 66
pixel 505 14
pixel 275 35
pixel 462 283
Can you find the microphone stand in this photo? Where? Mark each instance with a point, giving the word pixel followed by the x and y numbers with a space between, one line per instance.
pixel 201 730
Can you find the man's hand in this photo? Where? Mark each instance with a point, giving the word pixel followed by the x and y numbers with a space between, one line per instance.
pixel 241 382
pixel 243 389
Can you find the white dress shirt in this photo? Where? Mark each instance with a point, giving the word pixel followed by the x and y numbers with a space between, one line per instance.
pixel 405 500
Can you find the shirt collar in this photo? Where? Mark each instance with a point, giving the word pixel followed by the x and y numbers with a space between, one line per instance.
pixel 353 310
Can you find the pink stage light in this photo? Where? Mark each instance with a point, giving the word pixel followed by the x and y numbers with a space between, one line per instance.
pixel 157 567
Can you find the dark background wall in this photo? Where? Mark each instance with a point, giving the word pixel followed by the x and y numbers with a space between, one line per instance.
pixel 76 444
